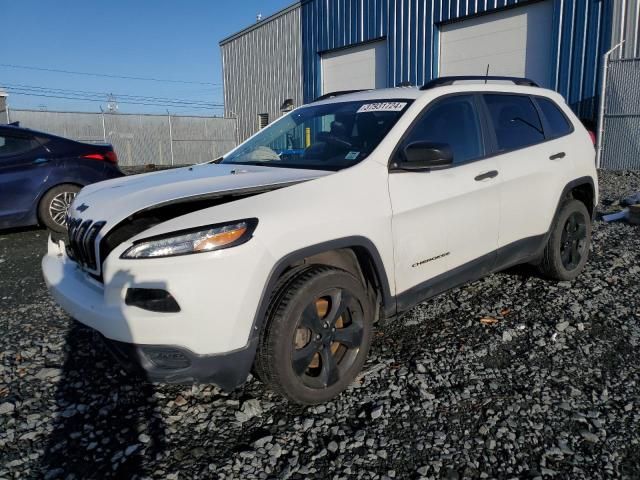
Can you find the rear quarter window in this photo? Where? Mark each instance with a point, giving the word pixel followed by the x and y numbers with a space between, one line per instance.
pixel 557 123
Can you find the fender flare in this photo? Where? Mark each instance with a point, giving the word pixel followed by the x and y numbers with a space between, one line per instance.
pixel 578 182
pixel 281 265
pixel 563 196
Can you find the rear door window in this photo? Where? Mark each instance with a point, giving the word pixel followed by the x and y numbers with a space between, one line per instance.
pixel 453 121
pixel 557 122
pixel 11 145
pixel 515 121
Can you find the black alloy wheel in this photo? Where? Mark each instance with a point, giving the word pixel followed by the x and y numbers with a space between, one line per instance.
pixel 328 338
pixel 316 335
pixel 567 249
pixel 573 241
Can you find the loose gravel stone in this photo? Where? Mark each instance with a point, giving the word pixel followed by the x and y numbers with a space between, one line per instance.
pixel 276 451
pixel 7 407
pixel 549 390
pixel 377 412
pixel 589 437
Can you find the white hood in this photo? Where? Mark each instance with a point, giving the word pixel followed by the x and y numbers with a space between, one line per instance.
pixel 114 200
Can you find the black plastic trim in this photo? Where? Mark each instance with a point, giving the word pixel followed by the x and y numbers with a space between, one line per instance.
pixel 573 184
pixel 346 242
pixel 442 81
pixel 228 370
pixel 151 299
pixel 521 251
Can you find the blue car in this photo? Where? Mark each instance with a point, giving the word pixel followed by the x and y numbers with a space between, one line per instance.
pixel 40 174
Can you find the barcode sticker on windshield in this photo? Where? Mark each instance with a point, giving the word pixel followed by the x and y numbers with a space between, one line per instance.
pixel 382 107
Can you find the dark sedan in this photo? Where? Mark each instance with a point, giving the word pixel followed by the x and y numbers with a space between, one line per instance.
pixel 40 174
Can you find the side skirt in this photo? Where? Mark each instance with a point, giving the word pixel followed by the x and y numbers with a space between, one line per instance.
pixel 521 251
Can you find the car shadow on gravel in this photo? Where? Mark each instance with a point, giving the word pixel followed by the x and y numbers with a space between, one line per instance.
pixel 107 423
pixel 10 231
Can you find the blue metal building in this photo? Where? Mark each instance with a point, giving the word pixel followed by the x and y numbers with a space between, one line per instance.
pixel 580 32
pixel 316 46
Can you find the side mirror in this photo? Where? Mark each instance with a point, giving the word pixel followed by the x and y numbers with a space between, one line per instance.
pixel 426 156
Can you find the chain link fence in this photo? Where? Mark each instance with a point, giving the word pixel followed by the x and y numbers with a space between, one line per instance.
pixel 621 120
pixel 140 139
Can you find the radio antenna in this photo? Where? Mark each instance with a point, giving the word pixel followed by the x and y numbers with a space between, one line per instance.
pixel 486 74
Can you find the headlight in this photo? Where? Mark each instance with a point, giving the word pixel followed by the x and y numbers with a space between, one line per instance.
pixel 196 240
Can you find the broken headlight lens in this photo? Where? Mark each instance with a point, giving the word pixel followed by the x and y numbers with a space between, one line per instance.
pixel 203 239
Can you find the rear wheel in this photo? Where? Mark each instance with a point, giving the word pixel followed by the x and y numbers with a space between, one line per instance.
pixel 317 337
pixel 53 207
pixel 567 249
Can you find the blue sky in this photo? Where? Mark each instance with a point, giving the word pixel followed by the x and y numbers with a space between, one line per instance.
pixel 159 39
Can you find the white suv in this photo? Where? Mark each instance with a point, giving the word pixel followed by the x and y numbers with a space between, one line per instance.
pixel 283 254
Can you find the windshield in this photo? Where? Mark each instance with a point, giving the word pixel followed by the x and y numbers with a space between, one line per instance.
pixel 322 137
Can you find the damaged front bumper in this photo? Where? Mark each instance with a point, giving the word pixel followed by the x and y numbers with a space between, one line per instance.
pixel 158 345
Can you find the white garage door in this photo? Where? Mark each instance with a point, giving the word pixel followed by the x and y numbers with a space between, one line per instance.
pixel 364 66
pixel 515 42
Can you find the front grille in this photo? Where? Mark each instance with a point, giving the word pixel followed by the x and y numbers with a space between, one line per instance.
pixel 82 242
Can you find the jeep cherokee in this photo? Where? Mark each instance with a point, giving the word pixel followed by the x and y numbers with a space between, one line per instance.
pixel 282 255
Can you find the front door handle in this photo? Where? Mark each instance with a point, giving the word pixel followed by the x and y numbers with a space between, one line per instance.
pixel 557 156
pixel 39 161
pixel 485 175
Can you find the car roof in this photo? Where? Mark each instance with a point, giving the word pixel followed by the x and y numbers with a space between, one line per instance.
pixel 51 136
pixel 27 130
pixel 412 93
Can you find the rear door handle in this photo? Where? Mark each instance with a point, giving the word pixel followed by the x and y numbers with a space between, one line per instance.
pixel 485 175
pixel 39 161
pixel 557 156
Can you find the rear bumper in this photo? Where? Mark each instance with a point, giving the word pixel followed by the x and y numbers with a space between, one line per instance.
pixel 168 364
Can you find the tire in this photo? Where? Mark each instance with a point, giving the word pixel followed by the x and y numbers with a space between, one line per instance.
pixel 317 335
pixel 54 204
pixel 567 249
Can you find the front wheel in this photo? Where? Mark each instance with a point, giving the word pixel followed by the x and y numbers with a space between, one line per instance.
pixel 567 249
pixel 53 207
pixel 317 337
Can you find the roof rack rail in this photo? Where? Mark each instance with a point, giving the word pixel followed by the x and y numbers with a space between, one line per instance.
pixel 338 93
pixel 439 82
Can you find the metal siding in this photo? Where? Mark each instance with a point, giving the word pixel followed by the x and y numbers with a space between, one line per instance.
pixel 262 68
pixel 581 36
pixel 621 144
pixel 4 114
pixel 626 26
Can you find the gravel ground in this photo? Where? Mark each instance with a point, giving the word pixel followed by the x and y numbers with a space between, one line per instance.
pixel 552 389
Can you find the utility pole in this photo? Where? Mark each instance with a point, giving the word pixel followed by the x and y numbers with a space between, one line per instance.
pixel 112 103
pixel 170 136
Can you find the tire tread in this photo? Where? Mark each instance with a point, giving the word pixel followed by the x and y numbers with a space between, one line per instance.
pixel 551 264
pixel 277 324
